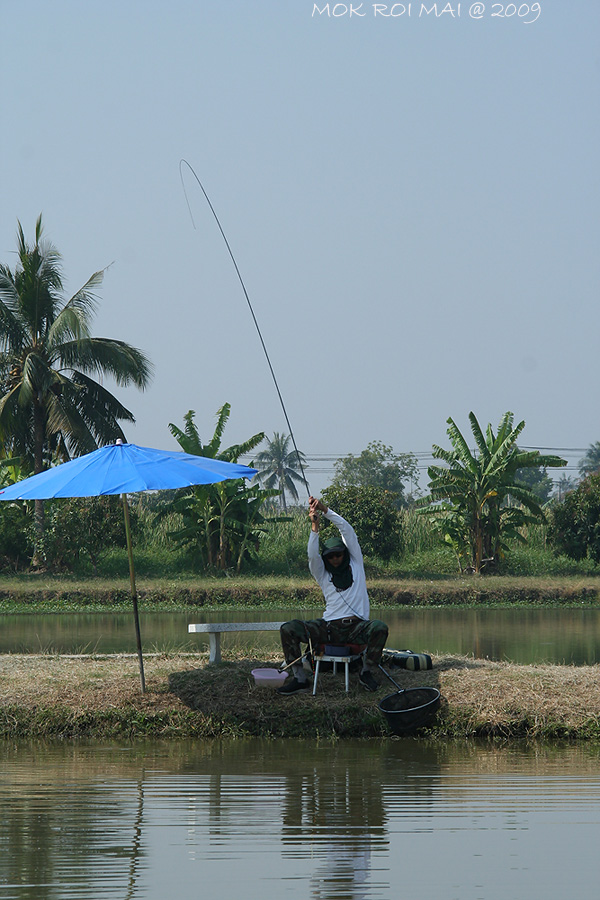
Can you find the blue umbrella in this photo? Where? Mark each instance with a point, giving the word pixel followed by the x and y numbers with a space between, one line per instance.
pixel 121 469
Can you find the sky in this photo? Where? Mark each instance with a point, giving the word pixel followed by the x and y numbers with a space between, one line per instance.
pixel 410 192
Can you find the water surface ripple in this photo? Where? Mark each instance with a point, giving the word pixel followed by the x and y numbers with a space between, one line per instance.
pixel 257 819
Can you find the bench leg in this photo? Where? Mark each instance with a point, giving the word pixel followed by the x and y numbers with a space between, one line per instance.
pixel 214 641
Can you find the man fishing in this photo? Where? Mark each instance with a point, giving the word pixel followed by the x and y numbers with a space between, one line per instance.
pixel 340 573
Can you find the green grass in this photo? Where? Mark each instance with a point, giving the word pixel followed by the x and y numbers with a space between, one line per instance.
pixel 60 594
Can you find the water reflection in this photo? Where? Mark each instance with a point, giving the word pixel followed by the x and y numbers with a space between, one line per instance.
pixel 343 818
pixel 358 821
pixel 61 821
pixel 530 635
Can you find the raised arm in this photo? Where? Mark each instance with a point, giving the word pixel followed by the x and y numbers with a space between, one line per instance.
pixel 315 563
pixel 345 528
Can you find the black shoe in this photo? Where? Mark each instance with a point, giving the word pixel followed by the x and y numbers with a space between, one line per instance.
pixel 367 681
pixel 293 686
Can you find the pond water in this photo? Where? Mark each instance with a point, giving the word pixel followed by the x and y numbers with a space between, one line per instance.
pixel 347 821
pixel 555 635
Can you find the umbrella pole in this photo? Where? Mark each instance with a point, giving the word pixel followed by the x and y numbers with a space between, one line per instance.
pixel 136 616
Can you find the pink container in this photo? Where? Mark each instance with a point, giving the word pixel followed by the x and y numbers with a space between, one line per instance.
pixel 269 677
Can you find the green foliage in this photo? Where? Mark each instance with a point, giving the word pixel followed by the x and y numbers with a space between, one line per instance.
pixel 530 562
pixel 537 480
pixel 51 407
pixel 372 513
pixel 377 466
pixel 221 523
pixel 283 545
pixel 427 564
pixel 575 523
pixel 280 467
pixel 476 502
pixel 87 527
pixel 417 531
pixel 16 545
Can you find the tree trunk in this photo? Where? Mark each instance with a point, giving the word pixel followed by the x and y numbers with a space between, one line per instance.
pixel 282 495
pixel 478 544
pixel 39 559
pixel 222 542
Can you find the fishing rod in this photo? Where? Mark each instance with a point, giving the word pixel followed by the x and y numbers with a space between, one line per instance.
pixel 183 162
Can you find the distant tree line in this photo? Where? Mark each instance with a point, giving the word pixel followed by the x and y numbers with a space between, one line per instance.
pixel 53 406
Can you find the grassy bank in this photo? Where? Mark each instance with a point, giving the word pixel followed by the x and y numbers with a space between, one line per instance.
pixel 91 696
pixel 65 593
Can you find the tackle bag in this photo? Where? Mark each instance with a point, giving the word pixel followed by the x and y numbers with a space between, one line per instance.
pixel 406 659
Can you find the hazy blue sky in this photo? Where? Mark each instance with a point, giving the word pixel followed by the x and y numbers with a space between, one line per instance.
pixel 412 201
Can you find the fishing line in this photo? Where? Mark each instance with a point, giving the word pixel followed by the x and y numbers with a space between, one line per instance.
pixel 254 319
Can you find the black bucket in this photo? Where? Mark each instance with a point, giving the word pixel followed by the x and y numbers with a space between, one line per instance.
pixel 408 710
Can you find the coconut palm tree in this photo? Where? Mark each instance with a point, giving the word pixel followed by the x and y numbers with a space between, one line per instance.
pixel 565 484
pixel 278 466
pixel 590 463
pixel 470 494
pixel 51 406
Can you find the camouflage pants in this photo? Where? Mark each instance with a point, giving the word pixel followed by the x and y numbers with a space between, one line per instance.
pixel 371 632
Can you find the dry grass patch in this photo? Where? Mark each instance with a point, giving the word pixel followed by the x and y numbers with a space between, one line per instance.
pixel 533 701
pixel 84 683
pixel 100 695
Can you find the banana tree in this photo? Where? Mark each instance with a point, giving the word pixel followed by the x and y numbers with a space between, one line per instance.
pixel 474 494
pixel 222 521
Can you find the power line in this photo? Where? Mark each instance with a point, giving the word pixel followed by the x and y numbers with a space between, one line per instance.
pixel 323 463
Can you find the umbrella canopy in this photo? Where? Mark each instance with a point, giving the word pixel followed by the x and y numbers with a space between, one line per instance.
pixel 121 469
pixel 124 469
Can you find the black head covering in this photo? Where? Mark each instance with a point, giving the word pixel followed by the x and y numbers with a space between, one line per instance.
pixel 341 575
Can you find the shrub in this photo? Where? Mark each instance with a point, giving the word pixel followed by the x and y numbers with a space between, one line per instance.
pixel 16 545
pixel 575 523
pixel 373 515
pixel 283 546
pixel 88 526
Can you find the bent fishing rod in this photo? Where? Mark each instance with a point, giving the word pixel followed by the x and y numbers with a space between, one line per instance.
pixel 183 162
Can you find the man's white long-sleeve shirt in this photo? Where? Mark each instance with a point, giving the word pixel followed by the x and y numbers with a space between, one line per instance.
pixel 355 600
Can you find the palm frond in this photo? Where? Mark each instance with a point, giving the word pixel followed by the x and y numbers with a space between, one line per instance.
pixel 37 377
pixel 65 422
pixel 126 364
pixel 69 325
pixel 100 400
pixel 9 403
pixel 12 333
pixel 84 301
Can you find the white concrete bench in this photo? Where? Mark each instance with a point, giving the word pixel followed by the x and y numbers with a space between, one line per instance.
pixel 215 629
